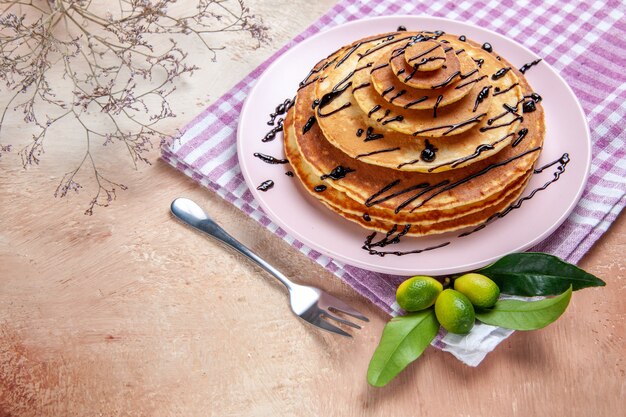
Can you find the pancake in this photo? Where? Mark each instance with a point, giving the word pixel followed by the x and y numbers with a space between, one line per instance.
pixel 380 219
pixel 484 118
pixel 426 56
pixel 435 179
pixel 384 78
pixel 403 60
pixel 440 120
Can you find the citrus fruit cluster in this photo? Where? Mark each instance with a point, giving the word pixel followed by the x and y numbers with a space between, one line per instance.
pixel 454 307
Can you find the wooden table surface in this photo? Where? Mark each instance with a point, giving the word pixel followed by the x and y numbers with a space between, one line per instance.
pixel 127 312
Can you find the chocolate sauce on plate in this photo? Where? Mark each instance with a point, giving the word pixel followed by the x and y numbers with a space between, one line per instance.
pixel 265 185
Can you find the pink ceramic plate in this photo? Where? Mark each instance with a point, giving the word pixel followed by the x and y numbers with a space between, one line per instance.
pixel 307 220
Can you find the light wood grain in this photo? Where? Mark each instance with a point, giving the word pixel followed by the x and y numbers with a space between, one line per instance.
pixel 127 312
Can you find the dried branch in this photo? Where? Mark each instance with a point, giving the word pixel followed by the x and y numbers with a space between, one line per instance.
pixel 60 59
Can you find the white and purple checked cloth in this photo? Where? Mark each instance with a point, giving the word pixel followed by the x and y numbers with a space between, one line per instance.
pixel 585 41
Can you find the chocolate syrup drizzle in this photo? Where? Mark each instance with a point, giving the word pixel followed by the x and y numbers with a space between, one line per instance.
pixel 387 111
pixel 369 244
pixel 268 159
pixel 388 90
pixel 482 95
pixel 390 239
pixel 527 66
pixel 441 187
pixel 414 102
pixel 437 105
pixel 507 110
pixel 337 110
pixel 560 169
pixel 408 77
pixel 397 118
pixel 387 240
pixel 500 73
pixel 428 154
pixel 314 71
pixel 337 173
pixel 451 127
pixel 509 123
pixel 370 135
pixel 425 60
pixel 340 88
pixel 423 53
pixel 271 135
pixel 529 106
pixel 308 81
pixel 520 136
pixel 412 41
pixel 475 80
pixel 497 90
pixel 479 150
pixel 373 110
pixel 401 93
pixel 375 48
pixel 422 188
pixel 447 81
pixel 281 109
pixel 358 45
pixel 358 87
pixel 309 124
pixel 265 185
pixel 377 67
pixel 330 97
pixel 377 152
pixel 475 175
pixel 469 74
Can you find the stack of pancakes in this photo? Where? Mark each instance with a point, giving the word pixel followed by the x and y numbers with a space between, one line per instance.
pixel 423 132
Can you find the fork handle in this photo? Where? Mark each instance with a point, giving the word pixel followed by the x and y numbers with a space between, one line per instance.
pixel 192 214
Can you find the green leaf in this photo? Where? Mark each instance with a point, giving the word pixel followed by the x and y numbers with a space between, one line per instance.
pixel 530 274
pixel 404 339
pixel 525 315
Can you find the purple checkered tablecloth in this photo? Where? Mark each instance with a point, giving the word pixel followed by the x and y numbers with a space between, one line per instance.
pixel 585 41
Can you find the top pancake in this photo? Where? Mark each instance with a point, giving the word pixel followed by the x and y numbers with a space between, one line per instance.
pixel 407 62
pixel 459 122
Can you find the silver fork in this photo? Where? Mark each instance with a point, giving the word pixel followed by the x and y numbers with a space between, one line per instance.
pixel 309 303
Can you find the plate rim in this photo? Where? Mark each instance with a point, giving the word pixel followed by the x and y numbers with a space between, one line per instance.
pixel 402 271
